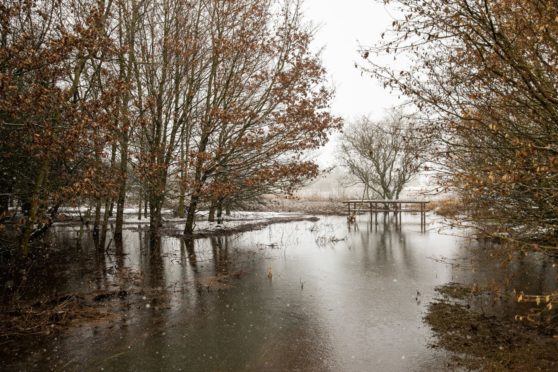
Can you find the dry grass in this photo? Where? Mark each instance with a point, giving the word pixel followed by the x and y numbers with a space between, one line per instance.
pixel 44 318
pixel 318 204
pixel 446 207
pixel 311 205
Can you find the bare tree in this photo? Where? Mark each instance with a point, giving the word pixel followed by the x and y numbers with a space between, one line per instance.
pixel 383 156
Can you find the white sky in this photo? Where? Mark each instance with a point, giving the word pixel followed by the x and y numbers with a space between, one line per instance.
pixel 341 26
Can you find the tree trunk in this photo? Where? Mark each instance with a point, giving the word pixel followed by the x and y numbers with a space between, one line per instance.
pixel 104 225
pixel 139 205
pixel 97 222
pixel 181 207
pixel 182 190
pixel 191 215
pixel 127 38
pixel 211 217
pixel 122 190
pixel 220 212
pixel 145 205
pixel 195 198
pixel 156 192
pixel 35 201
pixel 154 215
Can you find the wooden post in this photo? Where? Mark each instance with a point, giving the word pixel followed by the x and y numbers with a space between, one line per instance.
pixel 422 217
pixel 397 207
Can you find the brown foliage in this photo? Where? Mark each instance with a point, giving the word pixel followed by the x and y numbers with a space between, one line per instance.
pixel 217 99
pixel 56 113
pixel 485 78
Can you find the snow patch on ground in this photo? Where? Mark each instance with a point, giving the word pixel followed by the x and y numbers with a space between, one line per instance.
pixel 235 220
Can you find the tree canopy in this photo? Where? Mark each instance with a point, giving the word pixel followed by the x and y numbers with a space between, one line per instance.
pixel 383 156
pixel 484 74
pixel 179 102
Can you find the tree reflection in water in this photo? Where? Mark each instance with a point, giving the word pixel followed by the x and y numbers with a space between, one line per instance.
pixel 357 307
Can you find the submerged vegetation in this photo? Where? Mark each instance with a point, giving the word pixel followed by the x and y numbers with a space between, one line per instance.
pixel 488 341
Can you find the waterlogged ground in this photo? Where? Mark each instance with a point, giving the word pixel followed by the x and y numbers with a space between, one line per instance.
pixel 304 295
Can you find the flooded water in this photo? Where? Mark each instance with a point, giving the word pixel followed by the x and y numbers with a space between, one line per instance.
pixel 313 296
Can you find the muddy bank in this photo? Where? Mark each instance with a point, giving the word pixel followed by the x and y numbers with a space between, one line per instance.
pixel 483 339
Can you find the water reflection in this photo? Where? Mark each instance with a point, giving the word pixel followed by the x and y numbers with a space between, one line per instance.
pixel 342 297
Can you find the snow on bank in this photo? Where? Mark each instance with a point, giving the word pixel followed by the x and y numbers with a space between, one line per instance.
pixel 83 211
pixel 237 221
pixel 204 228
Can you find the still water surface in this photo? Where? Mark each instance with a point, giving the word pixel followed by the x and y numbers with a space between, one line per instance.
pixel 317 296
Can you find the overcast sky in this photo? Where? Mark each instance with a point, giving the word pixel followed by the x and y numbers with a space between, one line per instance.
pixel 341 26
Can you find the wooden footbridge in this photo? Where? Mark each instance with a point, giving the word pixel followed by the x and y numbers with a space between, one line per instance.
pixel 398 207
